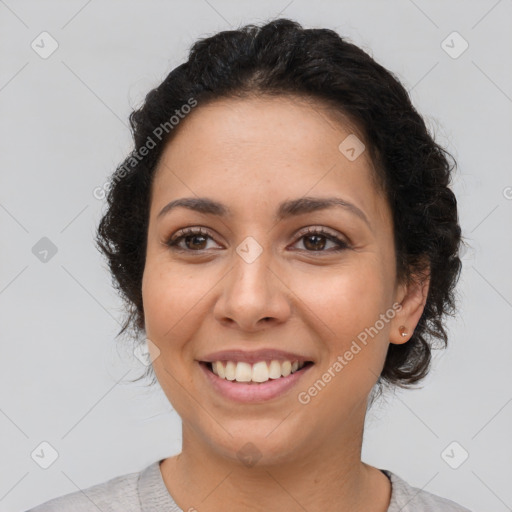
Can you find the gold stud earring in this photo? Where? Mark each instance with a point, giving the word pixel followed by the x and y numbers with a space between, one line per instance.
pixel 402 331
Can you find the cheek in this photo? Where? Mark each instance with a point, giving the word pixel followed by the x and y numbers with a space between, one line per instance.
pixel 347 300
pixel 169 298
pixel 347 309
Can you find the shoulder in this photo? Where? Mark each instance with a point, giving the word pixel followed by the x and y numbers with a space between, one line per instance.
pixel 405 498
pixel 115 495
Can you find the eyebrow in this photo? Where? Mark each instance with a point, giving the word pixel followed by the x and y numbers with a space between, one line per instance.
pixel 286 209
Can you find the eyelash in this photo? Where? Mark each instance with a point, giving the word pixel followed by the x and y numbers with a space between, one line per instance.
pixel 173 241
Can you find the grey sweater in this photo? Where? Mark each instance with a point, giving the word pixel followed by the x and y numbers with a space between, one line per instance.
pixel 145 491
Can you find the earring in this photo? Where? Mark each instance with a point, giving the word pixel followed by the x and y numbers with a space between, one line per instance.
pixel 402 331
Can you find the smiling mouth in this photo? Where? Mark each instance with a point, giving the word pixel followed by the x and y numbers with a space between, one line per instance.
pixel 257 373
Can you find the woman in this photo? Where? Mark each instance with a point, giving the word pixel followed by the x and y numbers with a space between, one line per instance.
pixel 285 237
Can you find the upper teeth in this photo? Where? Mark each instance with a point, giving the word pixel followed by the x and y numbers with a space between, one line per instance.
pixel 258 372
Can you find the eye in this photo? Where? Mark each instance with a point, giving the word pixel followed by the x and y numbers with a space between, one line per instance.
pixel 195 235
pixel 314 240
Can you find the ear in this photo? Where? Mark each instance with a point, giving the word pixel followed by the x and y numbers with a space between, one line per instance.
pixel 412 297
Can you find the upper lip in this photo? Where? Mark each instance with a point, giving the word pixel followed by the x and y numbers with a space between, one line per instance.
pixel 254 356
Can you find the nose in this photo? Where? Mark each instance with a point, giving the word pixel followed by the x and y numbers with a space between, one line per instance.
pixel 254 295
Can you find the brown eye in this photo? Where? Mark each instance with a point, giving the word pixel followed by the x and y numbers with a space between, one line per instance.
pixel 316 239
pixel 314 242
pixel 195 240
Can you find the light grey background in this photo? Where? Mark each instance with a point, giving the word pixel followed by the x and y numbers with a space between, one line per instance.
pixel 63 129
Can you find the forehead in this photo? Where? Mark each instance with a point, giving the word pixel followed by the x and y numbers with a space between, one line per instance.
pixel 283 124
pixel 265 149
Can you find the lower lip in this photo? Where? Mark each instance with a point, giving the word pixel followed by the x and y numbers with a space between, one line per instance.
pixel 252 391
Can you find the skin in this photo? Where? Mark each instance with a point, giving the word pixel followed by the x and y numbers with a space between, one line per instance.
pixel 251 155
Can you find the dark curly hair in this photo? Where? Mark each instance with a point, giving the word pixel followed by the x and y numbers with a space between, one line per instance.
pixel 282 58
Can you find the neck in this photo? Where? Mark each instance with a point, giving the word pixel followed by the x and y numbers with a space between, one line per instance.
pixel 324 477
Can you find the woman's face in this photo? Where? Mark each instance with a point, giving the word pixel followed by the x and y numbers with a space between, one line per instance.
pixel 256 280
